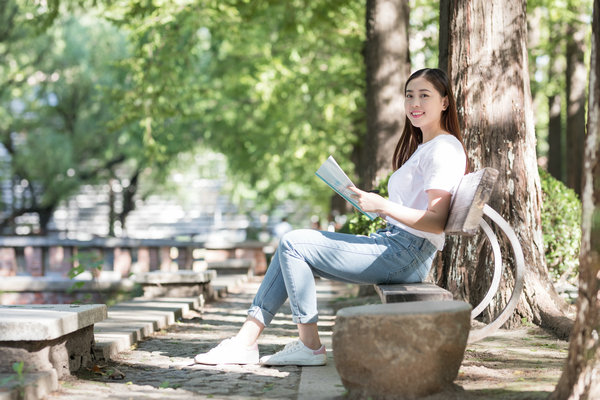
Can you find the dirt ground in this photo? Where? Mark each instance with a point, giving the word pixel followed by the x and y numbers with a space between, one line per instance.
pixel 523 363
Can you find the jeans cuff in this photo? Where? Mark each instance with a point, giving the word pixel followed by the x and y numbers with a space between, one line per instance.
pixel 305 319
pixel 263 316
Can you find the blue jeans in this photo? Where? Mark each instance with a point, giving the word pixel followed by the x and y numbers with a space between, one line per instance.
pixel 390 255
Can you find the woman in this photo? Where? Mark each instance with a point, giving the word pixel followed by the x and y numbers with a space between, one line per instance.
pixel 429 163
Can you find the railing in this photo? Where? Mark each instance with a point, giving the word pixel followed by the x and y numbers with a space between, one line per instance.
pixel 42 264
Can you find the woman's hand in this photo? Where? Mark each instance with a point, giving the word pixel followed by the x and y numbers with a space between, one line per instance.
pixel 368 201
pixel 433 219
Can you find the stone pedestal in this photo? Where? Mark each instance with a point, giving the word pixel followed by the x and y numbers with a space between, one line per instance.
pixel 400 350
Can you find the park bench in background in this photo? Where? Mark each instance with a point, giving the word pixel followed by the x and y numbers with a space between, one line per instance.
pixel 414 342
pixel 181 283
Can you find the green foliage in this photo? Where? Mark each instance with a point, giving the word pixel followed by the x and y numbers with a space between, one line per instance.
pixel 561 227
pixel 275 86
pixel 82 262
pixel 18 379
pixel 360 224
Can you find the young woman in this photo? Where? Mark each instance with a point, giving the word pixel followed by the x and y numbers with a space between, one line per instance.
pixel 429 163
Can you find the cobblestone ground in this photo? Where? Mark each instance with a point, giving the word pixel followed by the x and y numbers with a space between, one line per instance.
pixel 161 367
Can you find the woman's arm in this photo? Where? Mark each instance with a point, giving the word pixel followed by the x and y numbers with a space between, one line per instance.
pixel 431 220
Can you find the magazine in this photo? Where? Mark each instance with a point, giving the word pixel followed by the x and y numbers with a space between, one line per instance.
pixel 331 173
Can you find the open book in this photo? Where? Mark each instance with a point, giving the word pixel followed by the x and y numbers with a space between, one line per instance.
pixel 331 173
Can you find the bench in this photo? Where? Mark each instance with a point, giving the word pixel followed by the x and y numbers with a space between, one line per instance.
pixel 469 205
pixel 56 337
pixel 414 342
pixel 182 283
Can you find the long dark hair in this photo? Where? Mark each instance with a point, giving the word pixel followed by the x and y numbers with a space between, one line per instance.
pixel 411 136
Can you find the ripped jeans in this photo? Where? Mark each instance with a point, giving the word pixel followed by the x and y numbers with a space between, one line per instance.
pixel 391 255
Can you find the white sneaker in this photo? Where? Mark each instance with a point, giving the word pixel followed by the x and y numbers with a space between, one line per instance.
pixel 296 353
pixel 229 351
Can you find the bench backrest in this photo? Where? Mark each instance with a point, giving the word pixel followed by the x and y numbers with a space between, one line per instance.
pixel 472 194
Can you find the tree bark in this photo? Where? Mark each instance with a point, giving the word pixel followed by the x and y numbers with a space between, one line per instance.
pixel 387 68
pixel 555 142
pixel 581 377
pixel 575 95
pixel 488 68
pixel 556 153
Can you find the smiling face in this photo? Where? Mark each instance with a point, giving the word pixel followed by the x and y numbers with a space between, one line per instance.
pixel 424 105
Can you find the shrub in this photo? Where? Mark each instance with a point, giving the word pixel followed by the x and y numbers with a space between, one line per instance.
pixel 360 224
pixel 561 227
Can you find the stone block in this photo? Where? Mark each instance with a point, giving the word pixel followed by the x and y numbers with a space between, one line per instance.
pixel 400 350
pixel 143 259
pixel 8 261
pixel 34 260
pixel 47 322
pixel 122 262
pixel 60 260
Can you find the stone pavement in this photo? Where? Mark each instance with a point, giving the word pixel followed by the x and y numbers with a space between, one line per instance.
pixel 161 366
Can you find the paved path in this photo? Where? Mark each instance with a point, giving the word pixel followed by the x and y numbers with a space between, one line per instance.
pixel 161 367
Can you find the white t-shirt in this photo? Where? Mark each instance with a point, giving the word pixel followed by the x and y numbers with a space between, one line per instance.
pixel 437 164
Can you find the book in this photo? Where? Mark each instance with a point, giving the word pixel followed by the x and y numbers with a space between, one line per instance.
pixel 331 173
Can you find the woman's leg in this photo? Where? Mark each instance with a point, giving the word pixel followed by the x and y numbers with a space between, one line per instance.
pixel 309 335
pixel 350 258
pixel 242 348
pixel 305 253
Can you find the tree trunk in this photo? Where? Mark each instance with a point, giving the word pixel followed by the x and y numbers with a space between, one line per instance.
pixel 112 215
pixel 45 215
pixel 555 142
pixel 487 65
pixel 581 377
pixel 387 68
pixel 575 95
pixel 556 153
pixel 128 197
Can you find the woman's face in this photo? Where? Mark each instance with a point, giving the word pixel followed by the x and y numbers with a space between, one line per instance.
pixel 423 104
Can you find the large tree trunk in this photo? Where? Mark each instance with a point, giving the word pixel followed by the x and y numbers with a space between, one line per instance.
pixel 487 65
pixel 575 77
pixel 581 376
pixel 387 68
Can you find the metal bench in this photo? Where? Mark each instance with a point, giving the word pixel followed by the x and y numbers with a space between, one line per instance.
pixel 469 205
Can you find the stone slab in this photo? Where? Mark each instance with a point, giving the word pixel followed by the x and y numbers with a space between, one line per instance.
pixel 131 321
pixel 400 350
pixel 47 321
pixel 233 266
pixel 321 383
pixel 174 277
pixel 408 292
pixel 60 284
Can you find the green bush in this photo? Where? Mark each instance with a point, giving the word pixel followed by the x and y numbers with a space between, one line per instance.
pixel 360 224
pixel 561 225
